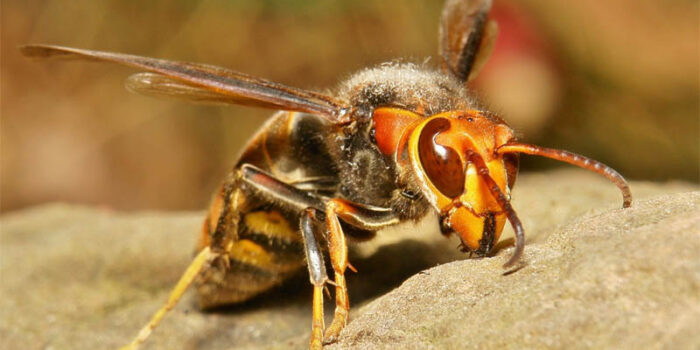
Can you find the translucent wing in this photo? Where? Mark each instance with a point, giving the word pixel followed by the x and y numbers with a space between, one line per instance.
pixel 466 37
pixel 159 85
pixel 203 82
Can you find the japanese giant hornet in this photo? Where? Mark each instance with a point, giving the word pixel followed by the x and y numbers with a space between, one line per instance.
pixel 395 143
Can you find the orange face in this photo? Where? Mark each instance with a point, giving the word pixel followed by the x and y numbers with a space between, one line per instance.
pixel 440 150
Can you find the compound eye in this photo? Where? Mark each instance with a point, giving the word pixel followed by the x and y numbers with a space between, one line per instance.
pixel 441 164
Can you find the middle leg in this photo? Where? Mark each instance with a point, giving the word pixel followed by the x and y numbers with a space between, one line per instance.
pixel 317 273
pixel 313 207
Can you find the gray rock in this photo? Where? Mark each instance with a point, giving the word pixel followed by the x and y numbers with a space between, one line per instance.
pixel 620 280
pixel 593 276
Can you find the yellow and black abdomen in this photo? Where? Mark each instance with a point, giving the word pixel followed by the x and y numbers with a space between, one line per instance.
pixel 266 252
pixel 265 246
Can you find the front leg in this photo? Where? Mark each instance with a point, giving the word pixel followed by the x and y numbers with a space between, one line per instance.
pixel 360 216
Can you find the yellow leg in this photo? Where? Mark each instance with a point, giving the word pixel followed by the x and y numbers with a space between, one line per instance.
pixel 342 307
pixel 205 256
pixel 338 251
pixel 317 325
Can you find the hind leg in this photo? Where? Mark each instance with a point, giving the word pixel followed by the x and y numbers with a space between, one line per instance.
pixel 243 268
pixel 203 259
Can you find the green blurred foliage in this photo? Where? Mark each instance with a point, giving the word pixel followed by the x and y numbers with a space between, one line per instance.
pixel 627 72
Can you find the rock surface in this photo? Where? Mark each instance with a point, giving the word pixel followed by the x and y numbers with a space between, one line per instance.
pixel 593 276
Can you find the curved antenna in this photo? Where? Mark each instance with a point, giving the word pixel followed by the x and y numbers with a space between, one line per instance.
pixel 504 203
pixel 233 87
pixel 573 159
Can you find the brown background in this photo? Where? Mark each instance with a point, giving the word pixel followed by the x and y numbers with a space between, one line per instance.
pixel 615 80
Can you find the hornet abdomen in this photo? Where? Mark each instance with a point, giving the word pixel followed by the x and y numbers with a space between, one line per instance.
pixel 264 245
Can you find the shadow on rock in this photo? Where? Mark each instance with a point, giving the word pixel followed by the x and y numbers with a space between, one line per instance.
pixel 377 274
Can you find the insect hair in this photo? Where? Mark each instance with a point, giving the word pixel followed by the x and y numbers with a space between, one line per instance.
pixel 408 85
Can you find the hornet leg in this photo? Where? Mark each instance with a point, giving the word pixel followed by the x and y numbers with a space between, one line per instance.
pixel 364 217
pixel 360 216
pixel 317 274
pixel 204 258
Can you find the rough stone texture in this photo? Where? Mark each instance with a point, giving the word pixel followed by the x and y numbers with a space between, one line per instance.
pixel 593 276
pixel 620 280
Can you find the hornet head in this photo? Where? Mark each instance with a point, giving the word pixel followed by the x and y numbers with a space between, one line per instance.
pixel 465 163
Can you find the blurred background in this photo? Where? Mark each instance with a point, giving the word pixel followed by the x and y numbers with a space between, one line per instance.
pixel 617 81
